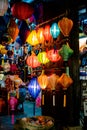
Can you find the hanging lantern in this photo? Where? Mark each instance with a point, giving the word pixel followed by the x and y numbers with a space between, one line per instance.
pixel 65 52
pixel 3 7
pixel 32 38
pixel 54 30
pixel 53 55
pixel 22 10
pixel 40 35
pixel 13 29
pixel 47 35
pixel 65 81
pixel 65 26
pixel 42 57
pixel 34 88
pixel 32 61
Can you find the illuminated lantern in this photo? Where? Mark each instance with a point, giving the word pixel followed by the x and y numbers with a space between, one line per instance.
pixel 13 29
pixel 32 38
pixel 3 7
pixel 65 25
pixel 6 66
pixel 34 87
pixel 65 52
pixel 53 55
pixel 40 35
pixel 54 30
pixel 42 57
pixel 47 35
pixel 3 51
pixel 32 61
pixel 22 10
pixel 65 81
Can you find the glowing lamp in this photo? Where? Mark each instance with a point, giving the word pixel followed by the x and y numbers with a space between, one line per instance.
pixel 34 87
pixel 47 35
pixel 32 61
pixel 53 55
pixel 32 38
pixel 40 35
pixel 3 7
pixel 54 30
pixel 42 57
pixel 65 25
pixel 22 10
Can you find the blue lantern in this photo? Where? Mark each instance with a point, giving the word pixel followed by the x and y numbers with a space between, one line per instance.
pixel 54 30
pixel 34 88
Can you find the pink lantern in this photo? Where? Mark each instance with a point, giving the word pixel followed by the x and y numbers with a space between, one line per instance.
pixel 3 7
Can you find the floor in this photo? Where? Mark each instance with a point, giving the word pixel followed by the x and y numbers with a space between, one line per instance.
pixel 30 110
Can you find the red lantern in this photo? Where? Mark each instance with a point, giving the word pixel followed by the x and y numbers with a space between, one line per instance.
pixel 40 35
pixel 22 10
pixel 47 34
pixel 32 61
pixel 53 55
pixel 65 25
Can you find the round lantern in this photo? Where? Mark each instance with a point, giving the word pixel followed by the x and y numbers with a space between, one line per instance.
pixel 22 10
pixel 32 38
pixel 53 55
pixel 34 87
pixel 40 35
pixel 13 29
pixel 42 57
pixel 32 61
pixel 54 30
pixel 65 25
pixel 47 35
pixel 3 7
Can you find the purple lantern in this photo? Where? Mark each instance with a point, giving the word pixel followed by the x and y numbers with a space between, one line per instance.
pixel 34 88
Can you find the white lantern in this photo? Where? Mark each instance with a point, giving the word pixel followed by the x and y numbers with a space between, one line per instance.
pixel 3 7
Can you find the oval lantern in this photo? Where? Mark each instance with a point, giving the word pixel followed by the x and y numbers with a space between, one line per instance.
pixel 32 61
pixel 13 29
pixel 54 30
pixel 42 57
pixel 22 10
pixel 47 35
pixel 32 38
pixel 3 7
pixel 65 25
pixel 34 88
pixel 53 55
pixel 40 35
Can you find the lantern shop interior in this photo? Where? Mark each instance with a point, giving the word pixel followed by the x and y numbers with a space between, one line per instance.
pixel 43 62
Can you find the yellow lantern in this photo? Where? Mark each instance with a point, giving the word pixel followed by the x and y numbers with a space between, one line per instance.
pixel 65 25
pixel 32 38
pixel 3 7
pixel 40 35
pixel 42 57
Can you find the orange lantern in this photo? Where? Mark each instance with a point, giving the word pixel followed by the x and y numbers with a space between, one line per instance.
pixel 3 7
pixel 65 25
pixel 32 38
pixel 42 57
pixel 47 35
pixel 22 10
pixel 53 55
pixel 13 29
pixel 40 35
pixel 32 61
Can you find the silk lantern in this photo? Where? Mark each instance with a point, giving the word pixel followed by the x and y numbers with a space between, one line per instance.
pixel 65 25
pixel 65 81
pixel 32 61
pixel 40 35
pixel 53 55
pixel 3 7
pixel 22 10
pixel 13 29
pixel 43 82
pixel 47 35
pixel 42 57
pixel 54 30
pixel 32 38
pixel 65 52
